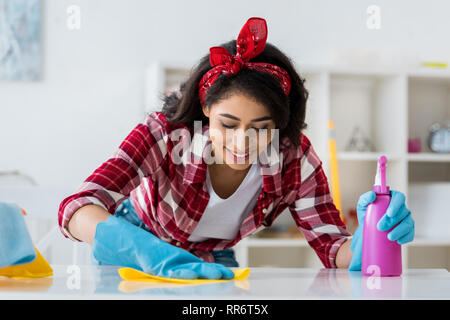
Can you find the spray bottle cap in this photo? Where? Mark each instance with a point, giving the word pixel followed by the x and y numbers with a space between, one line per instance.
pixel 380 179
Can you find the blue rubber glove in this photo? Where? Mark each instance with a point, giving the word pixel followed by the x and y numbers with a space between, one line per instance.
pixel 119 242
pixel 396 213
pixel 16 245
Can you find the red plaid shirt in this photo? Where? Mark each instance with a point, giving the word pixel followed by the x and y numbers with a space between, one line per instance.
pixel 171 196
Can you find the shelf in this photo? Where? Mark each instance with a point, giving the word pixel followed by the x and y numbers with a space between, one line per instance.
pixel 261 242
pixel 428 103
pixel 420 72
pixel 427 73
pixel 428 202
pixel 369 156
pixel 429 242
pixel 365 110
pixel 428 157
pixel 428 171
pixel 412 157
pixel 389 105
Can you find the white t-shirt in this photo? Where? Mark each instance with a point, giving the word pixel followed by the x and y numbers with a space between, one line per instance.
pixel 223 218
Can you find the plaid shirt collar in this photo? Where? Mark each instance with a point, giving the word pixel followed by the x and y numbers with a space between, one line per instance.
pixel 195 169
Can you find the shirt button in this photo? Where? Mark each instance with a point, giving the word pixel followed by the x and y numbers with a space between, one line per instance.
pixel 264 210
pixel 125 210
pixel 178 243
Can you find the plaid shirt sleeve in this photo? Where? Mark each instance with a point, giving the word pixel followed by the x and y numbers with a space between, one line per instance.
pixel 139 155
pixel 314 212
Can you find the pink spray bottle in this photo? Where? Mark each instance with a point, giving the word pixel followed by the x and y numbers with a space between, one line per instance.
pixel 380 256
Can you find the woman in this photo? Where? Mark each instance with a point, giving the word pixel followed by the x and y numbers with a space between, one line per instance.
pixel 196 178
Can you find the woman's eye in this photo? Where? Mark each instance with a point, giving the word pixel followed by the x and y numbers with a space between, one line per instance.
pixel 232 127
pixel 227 126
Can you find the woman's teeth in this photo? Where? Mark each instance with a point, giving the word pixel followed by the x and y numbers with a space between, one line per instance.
pixel 240 155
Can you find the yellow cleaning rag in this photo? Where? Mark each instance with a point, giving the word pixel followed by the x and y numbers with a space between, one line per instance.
pixel 136 275
pixel 37 268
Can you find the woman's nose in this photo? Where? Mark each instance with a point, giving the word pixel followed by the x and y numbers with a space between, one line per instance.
pixel 240 140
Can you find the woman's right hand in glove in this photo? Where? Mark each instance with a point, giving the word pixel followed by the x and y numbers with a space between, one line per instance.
pixel 119 242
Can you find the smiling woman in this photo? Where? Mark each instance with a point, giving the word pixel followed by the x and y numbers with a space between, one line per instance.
pixel 186 214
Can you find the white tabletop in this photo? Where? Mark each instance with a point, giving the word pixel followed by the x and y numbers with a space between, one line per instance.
pixel 104 282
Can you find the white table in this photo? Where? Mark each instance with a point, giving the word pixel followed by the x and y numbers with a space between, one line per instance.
pixel 103 282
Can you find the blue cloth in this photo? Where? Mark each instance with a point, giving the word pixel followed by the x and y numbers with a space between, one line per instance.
pixel 126 211
pixel 16 246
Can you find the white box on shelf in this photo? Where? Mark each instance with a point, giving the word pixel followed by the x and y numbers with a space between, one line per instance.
pixel 430 209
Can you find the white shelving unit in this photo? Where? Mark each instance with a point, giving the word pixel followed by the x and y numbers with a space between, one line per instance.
pixel 389 106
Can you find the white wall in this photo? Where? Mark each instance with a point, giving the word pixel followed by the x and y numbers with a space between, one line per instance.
pixel 58 130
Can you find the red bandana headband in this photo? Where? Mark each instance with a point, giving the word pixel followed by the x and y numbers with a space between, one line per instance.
pixel 249 44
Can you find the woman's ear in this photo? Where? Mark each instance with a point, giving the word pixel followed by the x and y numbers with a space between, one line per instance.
pixel 205 111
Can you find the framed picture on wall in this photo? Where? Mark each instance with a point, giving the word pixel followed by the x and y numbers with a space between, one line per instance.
pixel 20 28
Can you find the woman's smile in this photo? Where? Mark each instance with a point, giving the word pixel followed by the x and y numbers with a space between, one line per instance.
pixel 238 156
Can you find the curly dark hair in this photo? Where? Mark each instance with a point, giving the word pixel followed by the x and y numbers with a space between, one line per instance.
pixel 288 112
